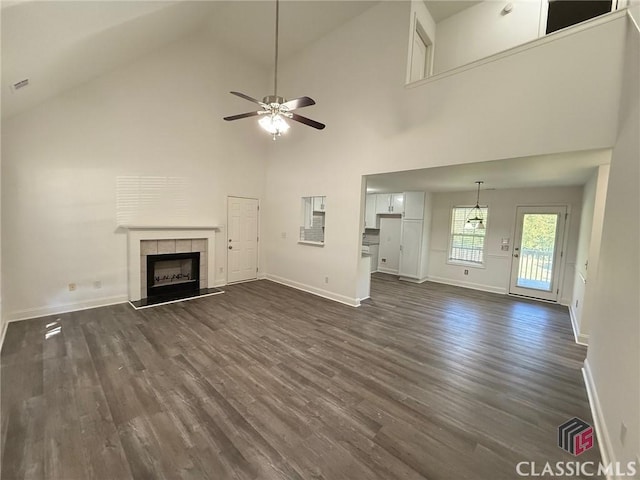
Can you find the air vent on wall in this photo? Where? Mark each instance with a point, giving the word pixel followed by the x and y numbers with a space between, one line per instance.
pixel 20 84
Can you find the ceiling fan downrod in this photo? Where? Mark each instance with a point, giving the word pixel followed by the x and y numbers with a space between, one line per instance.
pixel 276 109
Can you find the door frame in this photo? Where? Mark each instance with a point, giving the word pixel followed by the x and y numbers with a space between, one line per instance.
pixel 226 251
pixel 560 257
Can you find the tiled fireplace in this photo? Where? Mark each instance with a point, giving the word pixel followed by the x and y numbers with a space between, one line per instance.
pixel 170 249
pixel 182 258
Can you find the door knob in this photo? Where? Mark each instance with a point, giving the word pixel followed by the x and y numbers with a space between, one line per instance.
pixel 515 254
pixel 230 247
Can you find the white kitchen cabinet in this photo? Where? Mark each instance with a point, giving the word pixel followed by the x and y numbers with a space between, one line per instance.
pixel 396 203
pixel 410 249
pixel 383 203
pixel 413 205
pixel 370 216
pixel 318 204
pixel 389 203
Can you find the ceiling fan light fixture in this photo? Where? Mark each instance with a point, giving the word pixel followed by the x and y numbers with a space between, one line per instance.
pixel 274 124
pixel 274 107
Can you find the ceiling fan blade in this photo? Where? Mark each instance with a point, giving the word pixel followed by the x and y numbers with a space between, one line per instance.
pixel 247 97
pixel 242 115
pixel 299 103
pixel 306 121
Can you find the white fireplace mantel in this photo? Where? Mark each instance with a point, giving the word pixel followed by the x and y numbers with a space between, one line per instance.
pixel 177 227
pixel 137 233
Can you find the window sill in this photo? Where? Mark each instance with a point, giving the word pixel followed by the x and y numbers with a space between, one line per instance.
pixel 308 242
pixel 460 263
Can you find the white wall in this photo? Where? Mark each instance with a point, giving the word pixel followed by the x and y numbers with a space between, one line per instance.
pixel 482 30
pixel 588 252
pixel 2 319
pixel 495 275
pixel 614 342
pixel 426 235
pixel 375 125
pixel 161 116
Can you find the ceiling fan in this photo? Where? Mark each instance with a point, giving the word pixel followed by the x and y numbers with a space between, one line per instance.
pixel 275 109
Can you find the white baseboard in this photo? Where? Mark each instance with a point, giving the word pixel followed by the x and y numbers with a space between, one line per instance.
pixel 604 441
pixel 69 307
pixel 352 302
pixel 413 280
pixel 387 270
pixel 474 286
pixel 565 302
pixel 580 338
pixel 3 331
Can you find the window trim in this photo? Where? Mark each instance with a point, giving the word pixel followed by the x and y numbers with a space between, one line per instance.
pixel 450 234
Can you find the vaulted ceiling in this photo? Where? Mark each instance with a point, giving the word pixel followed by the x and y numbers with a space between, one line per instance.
pixel 58 45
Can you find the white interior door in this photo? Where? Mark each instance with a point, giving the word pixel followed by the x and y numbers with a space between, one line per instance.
pixel 242 241
pixel 537 252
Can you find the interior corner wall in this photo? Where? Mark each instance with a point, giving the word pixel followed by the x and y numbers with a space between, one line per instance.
pixel 160 116
pixel 2 319
pixel 375 124
pixel 426 235
pixel 482 30
pixel 588 252
pixel 501 223
pixel 614 344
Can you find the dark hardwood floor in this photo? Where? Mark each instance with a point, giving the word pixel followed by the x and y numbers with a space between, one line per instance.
pixel 265 382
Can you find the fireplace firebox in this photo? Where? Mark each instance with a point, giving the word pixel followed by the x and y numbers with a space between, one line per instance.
pixel 173 274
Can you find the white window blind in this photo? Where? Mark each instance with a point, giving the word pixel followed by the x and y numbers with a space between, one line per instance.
pixel 466 245
pixel 142 200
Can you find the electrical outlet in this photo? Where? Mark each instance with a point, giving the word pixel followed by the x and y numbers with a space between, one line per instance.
pixel 326 279
pixel 72 287
pixel 383 260
pixel 283 234
pixel 466 272
pixel 97 284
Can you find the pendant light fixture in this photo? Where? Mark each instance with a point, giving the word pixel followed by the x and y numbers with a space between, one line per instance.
pixel 475 220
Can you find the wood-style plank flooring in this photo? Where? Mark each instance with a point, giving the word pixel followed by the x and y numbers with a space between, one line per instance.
pixel 265 382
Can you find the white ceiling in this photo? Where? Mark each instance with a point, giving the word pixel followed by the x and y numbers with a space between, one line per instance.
pixel 567 169
pixel 58 45
pixel 441 9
